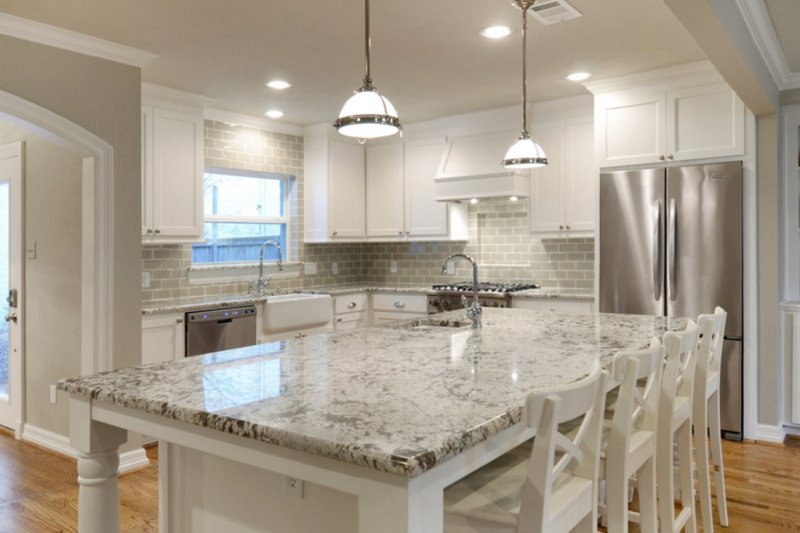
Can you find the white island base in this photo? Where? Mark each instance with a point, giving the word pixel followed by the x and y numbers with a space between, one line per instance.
pixel 207 482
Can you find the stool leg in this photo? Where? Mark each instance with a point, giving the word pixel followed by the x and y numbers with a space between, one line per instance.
pixel 716 458
pixel 647 497
pixel 686 475
pixel 665 485
pixel 617 498
pixel 700 421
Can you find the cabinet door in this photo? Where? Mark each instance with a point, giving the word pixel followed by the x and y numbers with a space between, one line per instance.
pixel 630 128
pixel 424 216
pixel 546 204
pixel 385 207
pixel 703 122
pixel 162 338
pixel 147 171
pixel 178 174
pixel 346 191
pixel 580 175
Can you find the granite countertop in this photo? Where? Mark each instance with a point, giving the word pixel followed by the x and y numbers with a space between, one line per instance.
pixel 399 399
pixel 183 305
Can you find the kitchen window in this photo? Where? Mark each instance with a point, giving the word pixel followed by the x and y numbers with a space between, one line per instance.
pixel 242 210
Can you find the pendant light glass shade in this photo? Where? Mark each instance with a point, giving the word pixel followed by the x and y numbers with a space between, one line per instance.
pixel 525 152
pixel 367 114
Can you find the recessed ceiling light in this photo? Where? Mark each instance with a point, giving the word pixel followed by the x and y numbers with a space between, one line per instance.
pixel 473 201
pixel 513 198
pixel 496 32
pixel 278 84
pixel 579 76
pixel 274 113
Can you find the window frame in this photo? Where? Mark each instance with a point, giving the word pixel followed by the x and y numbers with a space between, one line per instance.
pixel 286 219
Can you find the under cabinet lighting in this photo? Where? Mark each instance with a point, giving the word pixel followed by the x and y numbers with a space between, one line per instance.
pixel 473 201
pixel 513 198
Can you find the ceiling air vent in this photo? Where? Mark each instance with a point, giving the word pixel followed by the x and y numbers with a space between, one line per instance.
pixel 553 11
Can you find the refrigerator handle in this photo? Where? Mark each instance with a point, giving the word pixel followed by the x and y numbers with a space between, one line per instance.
pixel 671 238
pixel 658 273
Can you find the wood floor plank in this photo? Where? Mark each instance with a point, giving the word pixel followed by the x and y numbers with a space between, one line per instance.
pixel 39 492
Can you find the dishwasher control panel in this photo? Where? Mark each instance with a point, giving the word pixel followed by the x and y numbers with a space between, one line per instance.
pixel 220 314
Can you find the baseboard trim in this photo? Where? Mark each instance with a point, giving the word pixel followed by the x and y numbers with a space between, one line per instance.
pixel 128 461
pixel 767 433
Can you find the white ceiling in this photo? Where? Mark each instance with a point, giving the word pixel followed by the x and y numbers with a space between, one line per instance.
pixel 428 58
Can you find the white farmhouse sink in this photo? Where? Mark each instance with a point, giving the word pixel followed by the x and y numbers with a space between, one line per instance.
pixel 291 312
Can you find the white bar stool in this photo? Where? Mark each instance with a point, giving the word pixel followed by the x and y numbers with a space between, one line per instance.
pixel 705 417
pixel 675 423
pixel 549 488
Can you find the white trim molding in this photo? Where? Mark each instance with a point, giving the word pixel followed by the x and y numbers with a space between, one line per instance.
pixel 55 442
pixel 767 433
pixel 760 26
pixel 97 302
pixel 231 117
pixel 37 32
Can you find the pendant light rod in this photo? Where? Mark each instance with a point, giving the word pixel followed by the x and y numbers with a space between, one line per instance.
pixel 367 45
pixel 524 5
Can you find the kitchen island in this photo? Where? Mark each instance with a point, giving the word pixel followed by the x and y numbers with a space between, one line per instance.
pixel 390 415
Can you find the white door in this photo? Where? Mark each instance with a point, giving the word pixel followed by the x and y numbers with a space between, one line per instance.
pixel 424 216
pixel 11 309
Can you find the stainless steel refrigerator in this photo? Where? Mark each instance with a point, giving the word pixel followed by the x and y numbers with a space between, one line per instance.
pixel 671 245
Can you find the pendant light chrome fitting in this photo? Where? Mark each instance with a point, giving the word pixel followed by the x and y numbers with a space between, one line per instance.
pixel 367 114
pixel 525 152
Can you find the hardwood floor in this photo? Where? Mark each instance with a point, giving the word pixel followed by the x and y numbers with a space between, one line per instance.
pixel 39 494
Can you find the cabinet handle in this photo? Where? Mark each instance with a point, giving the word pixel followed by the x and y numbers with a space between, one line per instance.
pixel 339 319
pixel 568 227
pixel 560 226
pixel 149 231
pixel 670 156
pixel 399 305
pixel 351 305
pixel 408 233
pixel 158 231
pixel 661 158
pixel 399 232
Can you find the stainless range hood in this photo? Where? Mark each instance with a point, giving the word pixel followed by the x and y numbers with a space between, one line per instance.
pixel 471 167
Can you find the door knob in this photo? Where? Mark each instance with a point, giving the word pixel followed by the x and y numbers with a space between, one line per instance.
pixel 11 318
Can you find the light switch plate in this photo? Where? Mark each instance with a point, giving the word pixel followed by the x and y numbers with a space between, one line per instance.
pixel 393 267
pixel 310 268
pixel 52 394
pixel 334 268
pixel 294 487
pixel 145 280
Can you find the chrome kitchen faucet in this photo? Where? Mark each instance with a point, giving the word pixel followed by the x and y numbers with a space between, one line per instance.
pixel 473 310
pixel 262 284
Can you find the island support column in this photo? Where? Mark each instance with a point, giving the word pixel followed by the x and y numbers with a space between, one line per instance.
pixel 98 459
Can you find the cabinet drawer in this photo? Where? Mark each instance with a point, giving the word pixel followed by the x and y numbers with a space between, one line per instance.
pixel 384 317
pixel 405 303
pixel 348 321
pixel 350 303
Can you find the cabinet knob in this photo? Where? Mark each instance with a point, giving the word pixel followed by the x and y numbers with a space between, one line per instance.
pixel 670 156
pixel 568 227
pixel 334 234
pixel 560 226
pixel 399 232
pixel 149 231
pixel 339 319
pixel 661 158
pixel 158 231
pixel 408 233
pixel 351 305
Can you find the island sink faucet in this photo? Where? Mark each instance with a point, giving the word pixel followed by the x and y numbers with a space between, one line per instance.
pixel 262 283
pixel 474 309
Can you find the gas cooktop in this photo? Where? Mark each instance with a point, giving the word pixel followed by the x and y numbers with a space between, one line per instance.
pixel 502 288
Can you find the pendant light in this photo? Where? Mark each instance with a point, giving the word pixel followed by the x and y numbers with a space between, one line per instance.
pixel 367 114
pixel 525 152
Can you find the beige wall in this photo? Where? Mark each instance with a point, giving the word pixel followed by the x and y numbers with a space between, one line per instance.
pixel 768 270
pixel 52 289
pixel 104 98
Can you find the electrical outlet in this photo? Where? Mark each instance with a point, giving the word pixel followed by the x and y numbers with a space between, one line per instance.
pixel 294 487
pixel 393 267
pixel 52 394
pixel 310 268
pixel 145 280
pixel 334 268
pixel 451 267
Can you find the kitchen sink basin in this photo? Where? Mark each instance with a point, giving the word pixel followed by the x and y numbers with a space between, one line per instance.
pixel 292 312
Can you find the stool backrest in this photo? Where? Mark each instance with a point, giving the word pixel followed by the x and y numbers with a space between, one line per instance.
pixel 678 379
pixel 709 354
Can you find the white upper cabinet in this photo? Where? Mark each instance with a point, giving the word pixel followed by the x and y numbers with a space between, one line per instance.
pixel 679 114
pixel 385 208
pixel 335 191
pixel 562 197
pixel 425 217
pixel 172 175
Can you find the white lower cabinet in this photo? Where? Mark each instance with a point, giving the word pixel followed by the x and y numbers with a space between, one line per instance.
pixel 350 311
pixel 163 338
pixel 557 305
pixel 393 307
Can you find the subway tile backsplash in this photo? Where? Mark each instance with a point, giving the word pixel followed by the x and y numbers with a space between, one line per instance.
pixel 498 237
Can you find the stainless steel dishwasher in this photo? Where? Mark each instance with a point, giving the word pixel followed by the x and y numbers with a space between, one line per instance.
pixel 214 330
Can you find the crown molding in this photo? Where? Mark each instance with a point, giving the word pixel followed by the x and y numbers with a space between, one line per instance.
pixel 688 74
pixel 232 117
pixel 760 27
pixel 159 95
pixel 37 32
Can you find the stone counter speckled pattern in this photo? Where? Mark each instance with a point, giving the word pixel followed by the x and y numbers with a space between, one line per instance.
pixel 399 399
